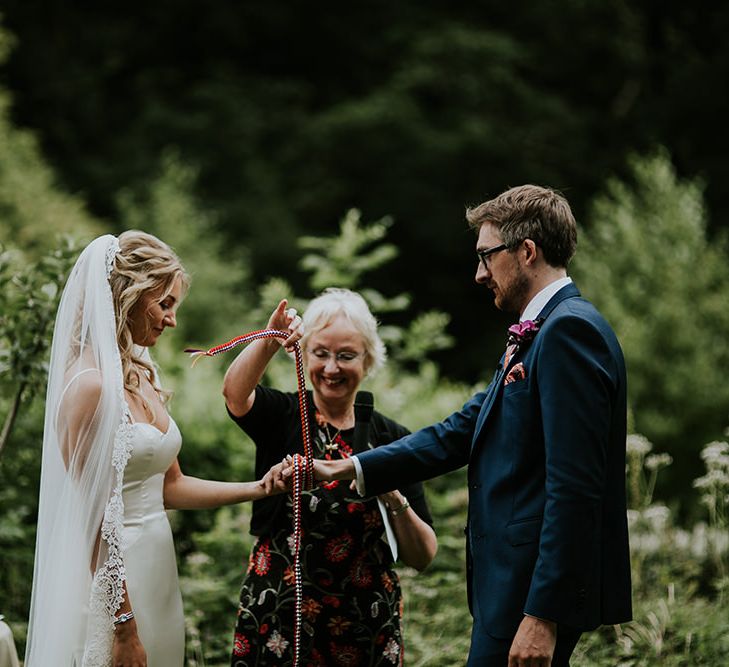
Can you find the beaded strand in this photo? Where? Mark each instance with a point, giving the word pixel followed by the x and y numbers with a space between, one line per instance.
pixel 303 477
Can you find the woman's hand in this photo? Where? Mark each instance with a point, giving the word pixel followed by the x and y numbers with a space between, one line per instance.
pixel 246 371
pixel 127 649
pixel 394 500
pixel 286 319
pixel 416 540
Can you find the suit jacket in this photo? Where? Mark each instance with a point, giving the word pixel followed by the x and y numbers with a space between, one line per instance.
pixel 547 530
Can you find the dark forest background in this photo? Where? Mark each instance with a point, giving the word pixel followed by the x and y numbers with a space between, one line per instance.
pixel 293 114
pixel 281 148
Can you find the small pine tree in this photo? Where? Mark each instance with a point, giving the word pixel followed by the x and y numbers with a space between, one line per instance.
pixel 649 265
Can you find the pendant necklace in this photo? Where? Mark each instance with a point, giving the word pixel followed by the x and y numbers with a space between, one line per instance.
pixel 331 446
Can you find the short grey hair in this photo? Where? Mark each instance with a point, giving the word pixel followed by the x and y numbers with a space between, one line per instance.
pixel 335 301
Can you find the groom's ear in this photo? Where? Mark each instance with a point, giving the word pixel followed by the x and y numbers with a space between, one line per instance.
pixel 531 251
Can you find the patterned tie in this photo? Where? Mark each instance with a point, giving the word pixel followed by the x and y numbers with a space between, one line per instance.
pixel 510 349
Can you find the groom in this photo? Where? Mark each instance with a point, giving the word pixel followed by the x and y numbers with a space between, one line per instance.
pixel 547 537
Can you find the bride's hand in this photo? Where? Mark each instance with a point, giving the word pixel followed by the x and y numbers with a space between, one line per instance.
pixel 127 649
pixel 286 319
pixel 275 481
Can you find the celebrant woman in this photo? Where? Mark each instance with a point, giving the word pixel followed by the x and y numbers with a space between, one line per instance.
pixel 351 612
pixel 105 588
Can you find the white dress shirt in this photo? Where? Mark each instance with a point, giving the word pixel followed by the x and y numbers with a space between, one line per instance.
pixel 540 299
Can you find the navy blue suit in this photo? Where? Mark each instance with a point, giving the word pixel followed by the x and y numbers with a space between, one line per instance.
pixel 547 531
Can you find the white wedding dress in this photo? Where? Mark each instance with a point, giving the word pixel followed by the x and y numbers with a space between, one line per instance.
pixel 147 546
pixel 100 473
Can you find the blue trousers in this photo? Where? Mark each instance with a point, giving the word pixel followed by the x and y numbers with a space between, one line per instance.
pixel 488 651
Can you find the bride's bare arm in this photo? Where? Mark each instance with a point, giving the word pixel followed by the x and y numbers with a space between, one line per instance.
pixel 127 649
pixel 75 418
pixel 184 492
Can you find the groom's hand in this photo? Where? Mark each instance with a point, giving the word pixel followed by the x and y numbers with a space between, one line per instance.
pixel 325 471
pixel 534 643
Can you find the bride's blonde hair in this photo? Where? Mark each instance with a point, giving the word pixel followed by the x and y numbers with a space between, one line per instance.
pixel 143 264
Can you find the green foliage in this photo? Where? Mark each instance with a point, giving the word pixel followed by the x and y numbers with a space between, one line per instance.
pixel 340 260
pixel 413 391
pixel 211 600
pixel 643 469
pixel 647 262
pixel 39 225
pixel 436 620
pixel 30 202
pixel 449 104
pixel 29 295
pixel 714 488
pixel 679 600
pixel 33 262
pixel 217 303
pixel 19 484
pixel 714 485
pixel 673 628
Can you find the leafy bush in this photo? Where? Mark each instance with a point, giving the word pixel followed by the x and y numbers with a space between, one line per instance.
pixel 650 266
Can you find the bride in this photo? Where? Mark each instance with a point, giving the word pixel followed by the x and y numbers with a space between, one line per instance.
pixel 105 587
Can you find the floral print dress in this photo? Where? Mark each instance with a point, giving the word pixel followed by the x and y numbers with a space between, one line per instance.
pixel 352 601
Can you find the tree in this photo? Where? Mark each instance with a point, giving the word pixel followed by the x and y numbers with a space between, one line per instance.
pixel 647 262
pixel 450 104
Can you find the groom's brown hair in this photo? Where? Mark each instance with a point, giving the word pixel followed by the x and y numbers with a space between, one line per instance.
pixel 531 212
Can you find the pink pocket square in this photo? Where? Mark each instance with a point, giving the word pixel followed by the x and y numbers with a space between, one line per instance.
pixel 517 373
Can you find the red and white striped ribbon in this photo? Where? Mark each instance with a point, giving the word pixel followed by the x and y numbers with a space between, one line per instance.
pixel 303 477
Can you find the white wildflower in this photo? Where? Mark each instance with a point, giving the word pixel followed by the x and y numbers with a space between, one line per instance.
pixel 713 478
pixel 716 454
pixel 198 558
pixel 638 444
pixel 657 515
pixel 657 461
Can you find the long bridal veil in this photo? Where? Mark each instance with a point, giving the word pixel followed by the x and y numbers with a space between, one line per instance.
pixel 79 572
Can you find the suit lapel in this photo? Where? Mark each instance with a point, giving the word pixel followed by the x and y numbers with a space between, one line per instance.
pixel 488 401
pixel 567 292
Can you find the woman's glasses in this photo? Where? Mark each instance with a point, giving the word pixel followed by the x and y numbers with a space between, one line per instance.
pixel 343 358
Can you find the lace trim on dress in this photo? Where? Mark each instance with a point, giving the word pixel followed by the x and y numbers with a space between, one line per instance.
pixel 107 588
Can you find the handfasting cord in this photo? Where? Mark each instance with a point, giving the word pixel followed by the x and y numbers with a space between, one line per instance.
pixel 303 477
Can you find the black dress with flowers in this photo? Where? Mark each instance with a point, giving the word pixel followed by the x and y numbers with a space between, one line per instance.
pixel 352 602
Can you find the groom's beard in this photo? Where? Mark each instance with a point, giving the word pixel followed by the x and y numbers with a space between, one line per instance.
pixel 512 296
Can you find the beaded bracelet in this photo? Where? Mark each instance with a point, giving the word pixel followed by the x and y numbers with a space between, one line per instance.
pixel 124 617
pixel 400 510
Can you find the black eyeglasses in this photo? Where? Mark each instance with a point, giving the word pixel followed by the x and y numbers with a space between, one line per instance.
pixel 484 254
